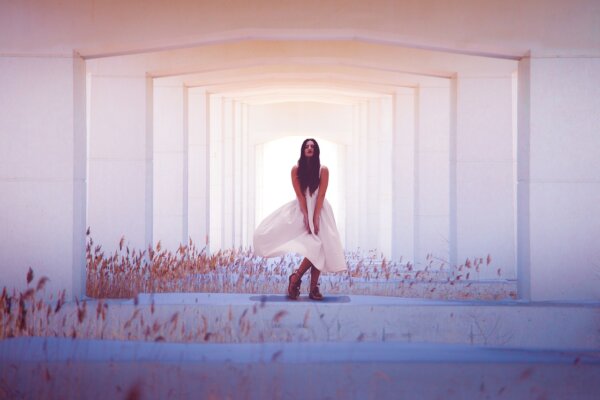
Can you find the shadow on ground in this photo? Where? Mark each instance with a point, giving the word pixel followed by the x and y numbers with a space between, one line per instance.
pixel 275 298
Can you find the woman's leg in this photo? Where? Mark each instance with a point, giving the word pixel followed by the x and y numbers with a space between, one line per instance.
pixel 304 266
pixel 296 279
pixel 314 293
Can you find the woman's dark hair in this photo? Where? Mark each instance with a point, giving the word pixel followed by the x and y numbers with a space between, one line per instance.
pixel 308 168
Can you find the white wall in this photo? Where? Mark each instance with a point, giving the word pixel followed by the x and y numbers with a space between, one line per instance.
pixel 198 177
pixel 376 158
pixel 120 160
pixel 215 110
pixel 170 165
pixel 330 121
pixel 482 156
pixel 432 175
pixel 559 184
pixel 403 225
pixel 42 172
pixel 227 139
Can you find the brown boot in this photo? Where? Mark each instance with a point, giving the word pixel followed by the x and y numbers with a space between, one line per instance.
pixel 294 286
pixel 296 279
pixel 314 292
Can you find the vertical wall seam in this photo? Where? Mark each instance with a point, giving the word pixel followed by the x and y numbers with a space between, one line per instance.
pixel 149 160
pixel 80 156
pixel 416 188
pixel 208 171
pixel 453 198
pixel 523 179
pixel 185 166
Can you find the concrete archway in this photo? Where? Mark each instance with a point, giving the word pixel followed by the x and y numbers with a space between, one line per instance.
pixel 451 91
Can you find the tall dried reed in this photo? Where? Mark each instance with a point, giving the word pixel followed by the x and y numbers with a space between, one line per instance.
pixel 127 272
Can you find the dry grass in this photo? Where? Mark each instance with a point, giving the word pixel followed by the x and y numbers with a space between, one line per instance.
pixel 28 314
pixel 127 272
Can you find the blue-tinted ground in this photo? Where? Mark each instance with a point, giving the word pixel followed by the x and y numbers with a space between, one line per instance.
pixel 349 347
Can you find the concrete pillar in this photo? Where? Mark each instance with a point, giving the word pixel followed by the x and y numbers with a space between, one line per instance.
pixel 227 154
pixel 352 192
pixel 481 155
pixel 251 176
pixel 246 173
pixel 384 178
pixel 432 173
pixel 362 178
pixel 42 172
pixel 523 179
pixel 120 160
pixel 198 167
pixel 372 152
pixel 215 238
pixel 403 177
pixel 342 181
pixel 170 165
pixel 558 182
pixel 258 181
pixel 237 174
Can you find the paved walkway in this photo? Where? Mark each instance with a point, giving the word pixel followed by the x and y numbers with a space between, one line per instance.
pixel 348 347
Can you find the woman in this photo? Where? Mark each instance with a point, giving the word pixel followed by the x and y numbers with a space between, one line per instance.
pixel 305 226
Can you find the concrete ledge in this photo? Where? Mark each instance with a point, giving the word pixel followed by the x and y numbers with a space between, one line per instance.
pixel 93 369
pixel 36 349
pixel 272 318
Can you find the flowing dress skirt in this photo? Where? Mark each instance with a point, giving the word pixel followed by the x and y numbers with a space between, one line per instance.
pixel 283 232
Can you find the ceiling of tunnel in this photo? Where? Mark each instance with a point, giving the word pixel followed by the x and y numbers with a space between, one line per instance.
pixel 279 92
pixel 354 53
pixel 504 28
pixel 260 54
pixel 360 67
pixel 305 72
pixel 276 93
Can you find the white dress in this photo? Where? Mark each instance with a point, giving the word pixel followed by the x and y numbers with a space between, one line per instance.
pixel 283 232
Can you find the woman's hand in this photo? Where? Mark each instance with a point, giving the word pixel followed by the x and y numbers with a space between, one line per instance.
pixel 316 219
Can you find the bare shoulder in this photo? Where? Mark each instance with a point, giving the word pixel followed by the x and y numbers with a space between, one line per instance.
pixel 295 168
pixel 324 170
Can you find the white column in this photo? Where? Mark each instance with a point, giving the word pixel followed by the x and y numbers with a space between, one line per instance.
pixel 216 172
pixel 258 181
pixel 42 172
pixel 185 232
pixel 432 173
pixel 403 211
pixel 341 219
pixel 372 176
pixel 237 174
pixel 198 166
pixel 120 160
pixel 170 165
pixel 362 178
pixel 482 157
pixel 523 179
pixel 251 205
pixel 384 177
pixel 227 155
pixel 352 192
pixel 559 184
pixel 247 201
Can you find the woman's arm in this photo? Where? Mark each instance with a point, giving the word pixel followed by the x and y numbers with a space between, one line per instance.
pixel 321 197
pixel 300 196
